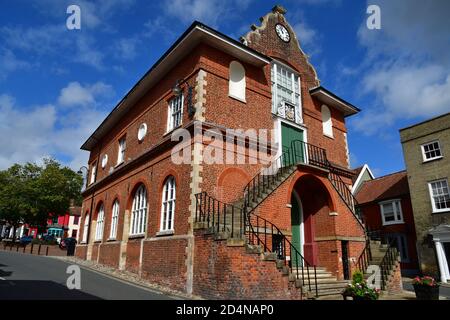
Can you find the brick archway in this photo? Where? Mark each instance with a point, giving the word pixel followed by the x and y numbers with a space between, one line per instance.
pixel 315 204
pixel 230 184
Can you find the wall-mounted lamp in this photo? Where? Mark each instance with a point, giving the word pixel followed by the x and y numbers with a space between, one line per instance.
pixel 178 90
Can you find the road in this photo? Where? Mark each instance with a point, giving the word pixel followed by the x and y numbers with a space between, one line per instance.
pixel 24 276
pixel 444 291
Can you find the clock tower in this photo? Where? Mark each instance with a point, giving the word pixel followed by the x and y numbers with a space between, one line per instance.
pixel 276 38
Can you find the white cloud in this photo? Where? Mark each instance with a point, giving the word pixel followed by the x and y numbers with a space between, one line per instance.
pixel 74 94
pixel 37 131
pixel 10 63
pixel 207 11
pixel 125 48
pixel 27 131
pixel 406 68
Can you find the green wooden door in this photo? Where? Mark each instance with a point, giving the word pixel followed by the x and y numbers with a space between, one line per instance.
pixel 289 134
pixel 296 230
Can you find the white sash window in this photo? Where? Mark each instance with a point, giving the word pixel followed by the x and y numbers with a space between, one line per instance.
pixel 286 97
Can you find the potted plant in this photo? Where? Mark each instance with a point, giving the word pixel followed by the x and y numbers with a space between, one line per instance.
pixel 359 290
pixel 426 288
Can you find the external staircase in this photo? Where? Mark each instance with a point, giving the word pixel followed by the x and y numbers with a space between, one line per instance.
pixel 238 223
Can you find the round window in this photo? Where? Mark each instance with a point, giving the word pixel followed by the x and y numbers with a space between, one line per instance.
pixel 104 160
pixel 142 131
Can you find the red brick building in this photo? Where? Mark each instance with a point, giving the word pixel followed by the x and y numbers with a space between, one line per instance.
pixel 226 229
pixel 385 204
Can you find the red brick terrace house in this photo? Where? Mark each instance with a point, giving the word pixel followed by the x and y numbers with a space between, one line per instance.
pixel 244 229
pixel 385 204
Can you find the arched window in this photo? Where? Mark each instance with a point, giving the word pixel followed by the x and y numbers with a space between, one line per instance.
pixel 326 121
pixel 139 212
pixel 168 205
pixel 114 220
pixel 100 223
pixel 237 81
pixel 86 227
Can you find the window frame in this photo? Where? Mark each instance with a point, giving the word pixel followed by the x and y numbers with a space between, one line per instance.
pixel 138 221
pixel 327 124
pixel 274 87
pixel 85 228
pixel 121 150
pixel 430 189
pixel 171 115
pixel 115 210
pixel 100 224
pixel 424 157
pixel 237 66
pixel 93 178
pixel 395 207
pixel 167 220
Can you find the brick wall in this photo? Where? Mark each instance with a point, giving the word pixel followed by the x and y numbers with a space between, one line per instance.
pixel 163 262
pixel 224 272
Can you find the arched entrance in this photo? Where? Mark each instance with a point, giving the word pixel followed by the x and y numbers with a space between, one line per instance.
pixel 311 205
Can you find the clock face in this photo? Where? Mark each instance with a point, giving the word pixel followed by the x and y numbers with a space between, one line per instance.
pixel 282 32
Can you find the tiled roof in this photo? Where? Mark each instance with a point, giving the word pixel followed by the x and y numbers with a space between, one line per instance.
pixel 387 187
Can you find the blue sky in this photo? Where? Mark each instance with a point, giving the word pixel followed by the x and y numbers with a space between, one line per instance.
pixel 57 85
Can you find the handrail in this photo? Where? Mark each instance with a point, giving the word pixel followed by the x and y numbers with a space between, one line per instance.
pixel 261 181
pixel 223 217
pixel 218 215
pixel 387 262
pixel 261 231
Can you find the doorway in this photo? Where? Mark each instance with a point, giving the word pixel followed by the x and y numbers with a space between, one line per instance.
pixel 297 226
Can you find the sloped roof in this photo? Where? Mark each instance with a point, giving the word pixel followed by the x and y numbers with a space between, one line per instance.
pixel 357 171
pixel 386 187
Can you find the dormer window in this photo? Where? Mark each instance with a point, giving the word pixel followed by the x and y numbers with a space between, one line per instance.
pixel 286 98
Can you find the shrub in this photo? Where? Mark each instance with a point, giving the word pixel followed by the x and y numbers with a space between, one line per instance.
pixel 425 281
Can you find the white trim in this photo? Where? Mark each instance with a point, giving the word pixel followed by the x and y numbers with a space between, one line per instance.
pixel 114 220
pixel 430 190
pixel 232 44
pixel 422 148
pixel 442 262
pixel 394 207
pixel 164 223
pixel 278 139
pixel 361 174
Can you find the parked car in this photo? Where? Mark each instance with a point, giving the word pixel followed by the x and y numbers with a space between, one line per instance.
pixel 67 242
pixel 48 237
pixel 26 239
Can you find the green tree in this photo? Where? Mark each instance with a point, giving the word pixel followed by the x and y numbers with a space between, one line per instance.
pixel 29 193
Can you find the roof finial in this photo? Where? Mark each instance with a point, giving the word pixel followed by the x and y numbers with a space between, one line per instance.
pixel 280 9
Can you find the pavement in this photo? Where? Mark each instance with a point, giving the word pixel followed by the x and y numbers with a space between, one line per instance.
pixel 24 277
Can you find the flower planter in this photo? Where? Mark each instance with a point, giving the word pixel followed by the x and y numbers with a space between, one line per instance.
pixel 424 292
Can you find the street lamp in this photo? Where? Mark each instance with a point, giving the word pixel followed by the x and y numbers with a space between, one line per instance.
pixel 177 90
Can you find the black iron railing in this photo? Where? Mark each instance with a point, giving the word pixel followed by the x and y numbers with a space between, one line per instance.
pixel 307 153
pixel 225 218
pixel 261 232
pixel 219 216
pixel 265 179
pixel 388 263
pixel 365 257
